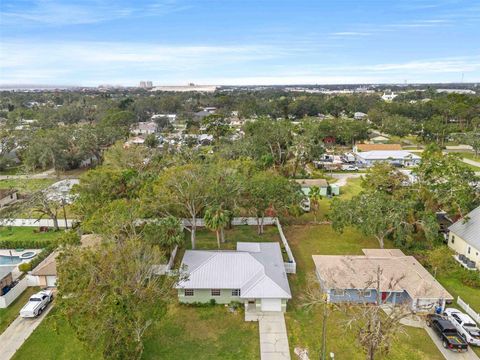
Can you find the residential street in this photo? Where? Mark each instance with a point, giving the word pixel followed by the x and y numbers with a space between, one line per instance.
pixel 450 355
pixel 16 334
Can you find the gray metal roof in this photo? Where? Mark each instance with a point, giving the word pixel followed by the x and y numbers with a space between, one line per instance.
pixel 256 269
pixel 469 230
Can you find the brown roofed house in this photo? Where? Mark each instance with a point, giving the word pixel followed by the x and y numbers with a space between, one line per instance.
pixel 376 147
pixel 46 271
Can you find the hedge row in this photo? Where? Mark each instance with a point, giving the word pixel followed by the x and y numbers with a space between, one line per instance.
pixel 25 244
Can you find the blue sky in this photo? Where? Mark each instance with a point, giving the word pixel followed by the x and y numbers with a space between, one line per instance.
pixel 238 41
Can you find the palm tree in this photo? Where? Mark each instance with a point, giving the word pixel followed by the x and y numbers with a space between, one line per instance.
pixel 315 197
pixel 216 219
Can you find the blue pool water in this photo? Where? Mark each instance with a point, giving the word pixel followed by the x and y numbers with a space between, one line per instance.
pixel 9 260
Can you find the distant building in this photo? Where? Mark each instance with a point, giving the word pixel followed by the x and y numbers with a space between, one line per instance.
pixel 171 117
pixel 145 84
pixel 457 91
pixel 189 87
pixel 376 147
pixel 394 157
pixel 359 115
pixel 389 97
pixel 7 197
pixel 145 128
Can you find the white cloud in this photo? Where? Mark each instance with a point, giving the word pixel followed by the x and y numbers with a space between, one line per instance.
pixel 350 33
pixel 91 63
pixel 60 12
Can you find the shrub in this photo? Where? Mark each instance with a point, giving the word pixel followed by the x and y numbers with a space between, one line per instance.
pixel 213 302
pixel 439 260
pixel 25 267
pixel 470 278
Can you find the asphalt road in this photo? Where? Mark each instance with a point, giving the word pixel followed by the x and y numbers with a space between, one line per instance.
pixel 16 334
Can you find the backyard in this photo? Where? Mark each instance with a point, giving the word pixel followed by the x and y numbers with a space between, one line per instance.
pixel 20 234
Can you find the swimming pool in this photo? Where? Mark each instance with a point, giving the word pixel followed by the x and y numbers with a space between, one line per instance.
pixel 10 260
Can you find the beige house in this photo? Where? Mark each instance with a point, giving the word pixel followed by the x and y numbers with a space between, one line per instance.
pixel 46 272
pixel 464 236
pixel 7 197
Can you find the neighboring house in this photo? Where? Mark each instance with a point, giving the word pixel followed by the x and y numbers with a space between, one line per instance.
pixel 201 114
pixel 380 139
pixel 253 274
pixel 171 117
pixel 137 140
pixel 145 128
pixel 376 147
pixel 359 115
pixel 403 280
pixel 6 278
pixel 45 274
pixel 322 185
pixel 394 157
pixel 464 236
pixel 389 97
pixel 7 197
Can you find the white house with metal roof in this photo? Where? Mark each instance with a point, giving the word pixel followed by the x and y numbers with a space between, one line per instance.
pixel 253 274
pixel 400 157
pixel 464 236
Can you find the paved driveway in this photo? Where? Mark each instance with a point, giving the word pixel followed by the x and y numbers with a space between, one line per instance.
pixel 450 355
pixel 273 337
pixel 16 334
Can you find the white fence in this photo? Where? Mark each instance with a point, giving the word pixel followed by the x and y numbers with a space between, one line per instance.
pixel 36 222
pixel 14 293
pixel 291 266
pixel 469 310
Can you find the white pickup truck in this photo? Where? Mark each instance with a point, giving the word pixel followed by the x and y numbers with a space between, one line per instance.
pixel 36 304
pixel 465 326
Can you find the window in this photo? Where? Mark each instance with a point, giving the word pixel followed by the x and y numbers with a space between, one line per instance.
pixel 215 292
pixel 236 292
pixel 453 239
pixel 188 292
pixel 366 293
pixel 338 292
pixel 469 248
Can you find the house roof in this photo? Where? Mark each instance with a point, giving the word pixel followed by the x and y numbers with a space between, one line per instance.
pixel 312 182
pixel 6 192
pixel 399 273
pixel 387 154
pixel 469 230
pixel 5 270
pixel 256 269
pixel 372 147
pixel 48 267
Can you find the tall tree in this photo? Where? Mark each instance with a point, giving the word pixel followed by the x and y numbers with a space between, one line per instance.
pixel 124 298
pixel 216 219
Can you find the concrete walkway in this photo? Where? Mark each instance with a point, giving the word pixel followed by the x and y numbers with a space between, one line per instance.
pixel 448 354
pixel 273 337
pixel 16 334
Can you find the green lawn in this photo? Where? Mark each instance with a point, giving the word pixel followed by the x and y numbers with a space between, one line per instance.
pixel 304 327
pixel 10 313
pixel 206 333
pixel 26 186
pixel 17 233
pixel 52 342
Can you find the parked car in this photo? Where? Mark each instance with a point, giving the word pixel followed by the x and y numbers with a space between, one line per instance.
pixel 36 304
pixel 447 333
pixel 349 167
pixel 465 326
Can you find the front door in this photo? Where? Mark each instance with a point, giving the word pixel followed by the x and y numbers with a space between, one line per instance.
pixel 384 296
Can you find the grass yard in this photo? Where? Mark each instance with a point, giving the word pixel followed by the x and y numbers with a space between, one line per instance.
pixel 304 327
pixel 10 313
pixel 17 233
pixel 206 333
pixel 54 342
pixel 26 185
